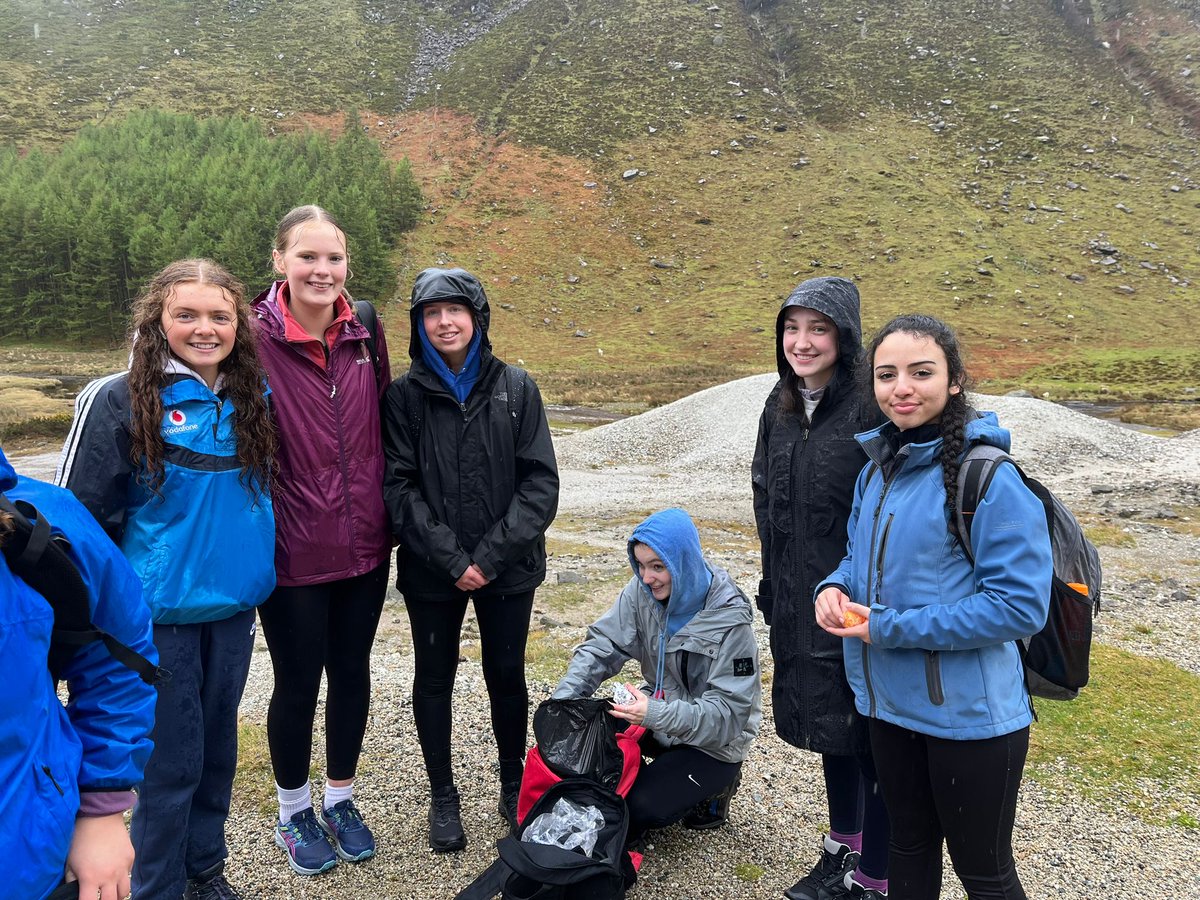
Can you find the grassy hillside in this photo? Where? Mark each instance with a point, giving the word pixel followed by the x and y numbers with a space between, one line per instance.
pixel 1001 167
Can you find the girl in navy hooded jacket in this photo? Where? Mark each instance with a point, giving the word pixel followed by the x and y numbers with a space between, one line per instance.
pixel 933 664
pixel 471 485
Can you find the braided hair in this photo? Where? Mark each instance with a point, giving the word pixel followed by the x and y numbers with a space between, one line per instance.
pixel 957 411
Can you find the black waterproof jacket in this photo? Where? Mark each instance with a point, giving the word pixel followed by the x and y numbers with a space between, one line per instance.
pixel 803 475
pixel 470 483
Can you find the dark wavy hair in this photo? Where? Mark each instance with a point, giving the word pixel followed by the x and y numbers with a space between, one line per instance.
pixel 957 412
pixel 6 527
pixel 243 377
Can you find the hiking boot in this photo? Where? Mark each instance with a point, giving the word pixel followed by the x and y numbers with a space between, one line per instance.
pixel 508 803
pixel 713 812
pixel 445 821
pixel 308 852
pixel 829 873
pixel 849 888
pixel 211 885
pixel 352 839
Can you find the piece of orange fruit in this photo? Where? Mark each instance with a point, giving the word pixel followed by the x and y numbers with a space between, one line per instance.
pixel 850 618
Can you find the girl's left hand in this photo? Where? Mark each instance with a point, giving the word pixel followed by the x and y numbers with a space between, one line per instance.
pixel 634 712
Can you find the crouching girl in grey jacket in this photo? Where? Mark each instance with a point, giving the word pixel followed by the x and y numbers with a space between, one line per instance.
pixel 690 629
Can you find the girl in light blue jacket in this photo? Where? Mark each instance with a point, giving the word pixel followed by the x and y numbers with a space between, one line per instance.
pixel 933 662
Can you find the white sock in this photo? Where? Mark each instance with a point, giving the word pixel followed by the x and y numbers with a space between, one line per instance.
pixel 833 847
pixel 293 801
pixel 335 795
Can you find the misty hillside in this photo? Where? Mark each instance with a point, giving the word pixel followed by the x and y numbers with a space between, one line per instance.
pixel 640 181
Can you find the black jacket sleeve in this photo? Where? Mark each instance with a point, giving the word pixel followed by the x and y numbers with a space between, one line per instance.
pixel 413 521
pixel 535 501
pixel 96 467
pixel 765 599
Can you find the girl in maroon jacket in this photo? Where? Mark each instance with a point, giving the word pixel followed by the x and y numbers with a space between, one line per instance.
pixel 332 533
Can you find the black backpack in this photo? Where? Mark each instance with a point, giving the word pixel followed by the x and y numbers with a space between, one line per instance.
pixel 1056 658
pixel 42 560
pixel 532 871
pixel 365 312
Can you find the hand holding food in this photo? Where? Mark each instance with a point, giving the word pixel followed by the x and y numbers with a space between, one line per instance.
pixel 850 618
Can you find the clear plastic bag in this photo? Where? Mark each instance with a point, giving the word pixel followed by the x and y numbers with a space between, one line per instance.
pixel 567 825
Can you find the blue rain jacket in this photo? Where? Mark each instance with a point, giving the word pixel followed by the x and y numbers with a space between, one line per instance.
pixel 942 660
pixel 205 546
pixel 100 741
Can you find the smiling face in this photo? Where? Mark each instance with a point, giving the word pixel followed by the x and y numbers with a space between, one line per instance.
pixel 810 345
pixel 449 325
pixel 200 322
pixel 911 378
pixel 314 262
pixel 653 572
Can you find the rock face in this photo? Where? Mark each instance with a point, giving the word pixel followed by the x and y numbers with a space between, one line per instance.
pixel 436 48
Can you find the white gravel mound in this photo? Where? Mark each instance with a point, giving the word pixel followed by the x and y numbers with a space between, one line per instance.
pixel 711 434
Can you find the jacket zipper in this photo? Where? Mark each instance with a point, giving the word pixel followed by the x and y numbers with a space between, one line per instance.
pixel 797 529
pixel 341 439
pixel 217 421
pixel 873 583
pixel 50 775
pixel 933 678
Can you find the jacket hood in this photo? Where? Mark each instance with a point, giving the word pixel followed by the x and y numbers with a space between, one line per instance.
pixel 672 535
pixel 435 284
pixel 836 298
pixel 8 475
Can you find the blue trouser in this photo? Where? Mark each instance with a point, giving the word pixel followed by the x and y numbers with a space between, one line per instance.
pixel 178 827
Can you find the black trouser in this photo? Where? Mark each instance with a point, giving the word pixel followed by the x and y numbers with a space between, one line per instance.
pixel 503 631
pixel 672 783
pixel 963 792
pixel 856 805
pixel 309 629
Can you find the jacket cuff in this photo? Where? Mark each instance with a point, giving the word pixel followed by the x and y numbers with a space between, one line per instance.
pixel 105 803
pixel 654 713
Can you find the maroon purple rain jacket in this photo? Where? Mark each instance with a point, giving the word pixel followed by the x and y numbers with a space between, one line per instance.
pixel 330 521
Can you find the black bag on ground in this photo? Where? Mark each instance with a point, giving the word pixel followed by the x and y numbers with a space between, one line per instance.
pixel 1056 658
pixel 577 739
pixel 548 872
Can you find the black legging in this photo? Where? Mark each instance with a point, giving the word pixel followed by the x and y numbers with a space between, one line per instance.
pixel 503 630
pixel 964 792
pixel 674 781
pixel 321 627
pixel 856 805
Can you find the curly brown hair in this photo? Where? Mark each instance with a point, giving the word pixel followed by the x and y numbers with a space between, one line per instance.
pixel 243 377
pixel 6 527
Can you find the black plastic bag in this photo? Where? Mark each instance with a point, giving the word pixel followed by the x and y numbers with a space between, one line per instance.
pixel 577 738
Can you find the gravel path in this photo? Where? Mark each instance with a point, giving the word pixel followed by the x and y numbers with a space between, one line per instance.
pixel 696 453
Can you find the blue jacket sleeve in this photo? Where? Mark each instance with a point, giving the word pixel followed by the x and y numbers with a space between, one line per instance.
pixel 1011 580
pixel 110 707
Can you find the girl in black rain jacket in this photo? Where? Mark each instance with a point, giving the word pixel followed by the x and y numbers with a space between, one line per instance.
pixel 805 464
pixel 471 485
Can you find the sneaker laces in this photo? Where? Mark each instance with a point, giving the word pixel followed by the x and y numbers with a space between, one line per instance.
pixel 446 806
pixel 304 829
pixel 345 816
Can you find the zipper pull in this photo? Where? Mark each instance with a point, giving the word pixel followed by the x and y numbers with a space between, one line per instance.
pixel 332 391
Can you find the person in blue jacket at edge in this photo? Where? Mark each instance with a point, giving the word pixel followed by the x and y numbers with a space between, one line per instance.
pixel 932 657
pixel 67 773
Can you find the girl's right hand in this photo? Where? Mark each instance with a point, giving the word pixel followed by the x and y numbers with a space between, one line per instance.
pixel 831 606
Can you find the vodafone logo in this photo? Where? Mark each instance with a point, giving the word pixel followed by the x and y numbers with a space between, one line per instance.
pixel 177 423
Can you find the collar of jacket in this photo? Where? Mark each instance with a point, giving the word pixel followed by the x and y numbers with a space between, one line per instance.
pixel 490 368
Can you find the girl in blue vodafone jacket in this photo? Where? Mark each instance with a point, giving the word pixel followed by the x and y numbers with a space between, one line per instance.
pixel 174 460
pixel 932 658
pixel 62 765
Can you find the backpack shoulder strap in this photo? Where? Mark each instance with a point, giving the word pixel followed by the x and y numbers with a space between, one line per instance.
pixel 974 475
pixel 516 397
pixel 42 561
pixel 365 312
